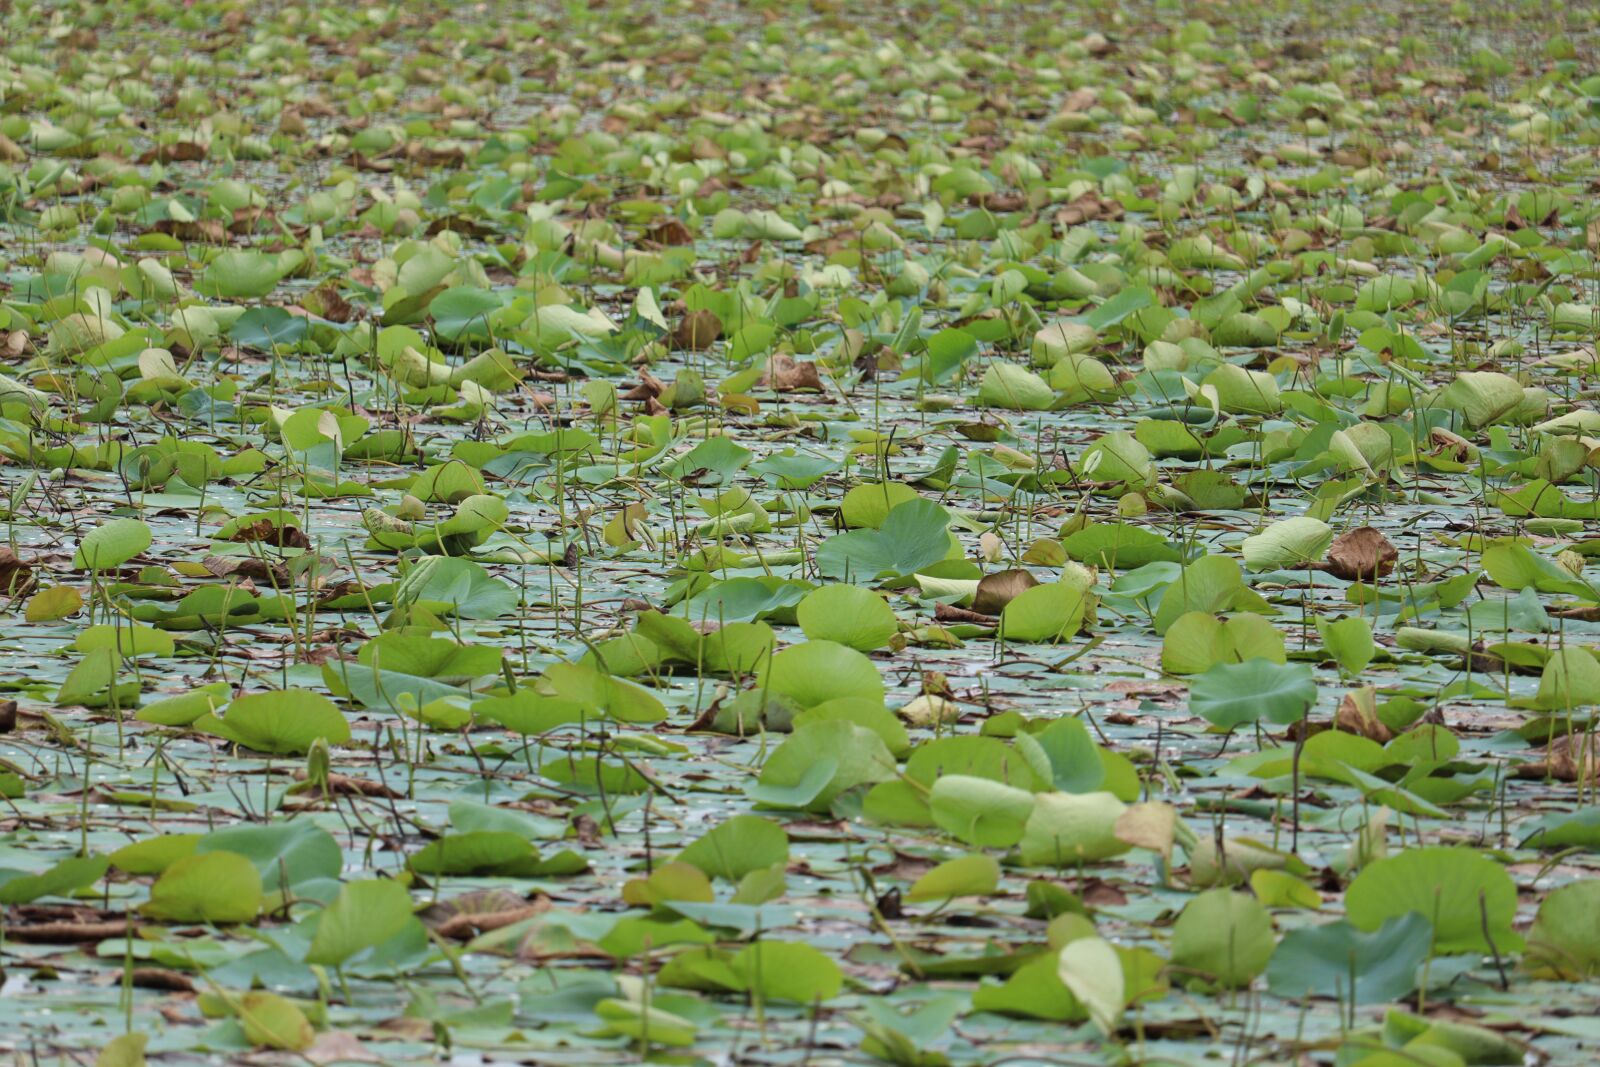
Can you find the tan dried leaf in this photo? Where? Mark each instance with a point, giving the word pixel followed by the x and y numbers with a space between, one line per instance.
pixel 949 613
pixel 176 152
pixel 1358 714
pixel 339 1046
pixel 67 933
pixel 928 711
pixel 16 577
pixel 1361 554
pixel 697 330
pixel 265 530
pixel 1087 208
pixel 1566 760
pixel 246 567
pixel 649 387
pixel 670 232
pixel 478 912
pixel 347 785
pixel 331 304
pixel 162 978
pixel 1149 825
pixel 997 590
pixel 785 374
pixel 208 231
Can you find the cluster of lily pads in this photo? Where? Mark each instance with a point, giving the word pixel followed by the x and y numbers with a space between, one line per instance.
pixel 795 533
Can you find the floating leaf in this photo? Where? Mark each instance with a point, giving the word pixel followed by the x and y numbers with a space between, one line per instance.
pixel 737 846
pixel 216 887
pixel 1006 385
pixel 363 916
pixel 1467 897
pixel 286 722
pixel 1091 969
pixel 1045 613
pixel 1287 543
pixel 787 970
pixel 966 876
pixel 19 887
pixel 1339 961
pixel 818 671
pixel 1565 938
pixel 112 544
pixel 913 536
pixel 1066 829
pixel 274 1022
pixel 848 615
pixel 1223 937
pixel 979 811
pixel 1233 694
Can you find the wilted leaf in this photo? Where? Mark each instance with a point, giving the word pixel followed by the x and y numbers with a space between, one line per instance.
pixel 1361 555
pixel 997 590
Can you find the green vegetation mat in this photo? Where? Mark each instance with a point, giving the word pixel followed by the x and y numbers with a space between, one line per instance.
pixel 799 533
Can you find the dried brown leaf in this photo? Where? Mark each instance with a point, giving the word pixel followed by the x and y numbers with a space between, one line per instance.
pixel 1150 825
pixel 1358 714
pixel 349 785
pixel 265 530
pixel 697 330
pixel 486 909
pixel 163 979
pixel 66 933
pixel 1567 759
pixel 1087 208
pixel 997 590
pixel 340 1046
pixel 1361 554
pixel 208 231
pixel 951 613
pixel 670 232
pixel 785 374
pixel 176 152
pixel 246 567
pixel 16 576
